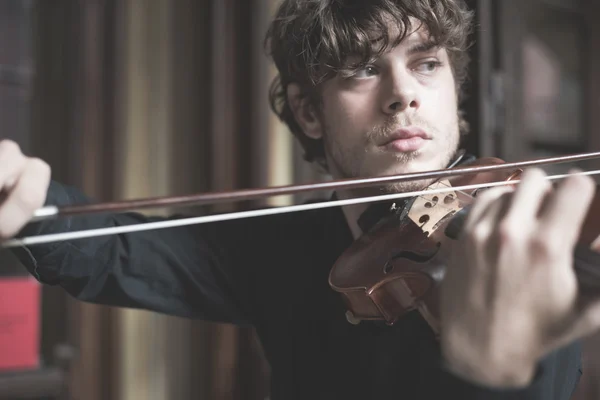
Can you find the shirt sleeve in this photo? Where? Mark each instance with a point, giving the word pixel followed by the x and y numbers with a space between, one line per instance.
pixel 179 271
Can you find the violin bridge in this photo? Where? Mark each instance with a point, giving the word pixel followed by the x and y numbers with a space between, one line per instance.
pixel 428 210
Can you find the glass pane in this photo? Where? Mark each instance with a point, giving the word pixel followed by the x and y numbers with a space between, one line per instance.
pixel 13 111
pixel 15 69
pixel 553 80
pixel 13 31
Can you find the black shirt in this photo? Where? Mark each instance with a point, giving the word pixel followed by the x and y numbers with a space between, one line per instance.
pixel 272 273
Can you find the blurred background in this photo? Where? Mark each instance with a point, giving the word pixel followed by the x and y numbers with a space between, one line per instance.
pixel 137 98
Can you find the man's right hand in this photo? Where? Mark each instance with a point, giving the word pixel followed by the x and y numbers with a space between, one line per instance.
pixel 24 184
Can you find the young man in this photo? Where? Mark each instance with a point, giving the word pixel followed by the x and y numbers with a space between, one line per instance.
pixel 369 88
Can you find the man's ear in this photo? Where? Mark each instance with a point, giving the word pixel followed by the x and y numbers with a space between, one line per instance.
pixel 304 112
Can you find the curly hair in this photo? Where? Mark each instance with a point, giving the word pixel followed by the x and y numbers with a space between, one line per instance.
pixel 308 41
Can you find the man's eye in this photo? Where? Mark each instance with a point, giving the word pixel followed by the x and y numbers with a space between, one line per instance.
pixel 429 66
pixel 365 72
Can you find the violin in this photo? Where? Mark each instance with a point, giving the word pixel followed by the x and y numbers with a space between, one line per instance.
pixel 398 265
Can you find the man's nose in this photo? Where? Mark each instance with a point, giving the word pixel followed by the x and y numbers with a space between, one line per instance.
pixel 402 93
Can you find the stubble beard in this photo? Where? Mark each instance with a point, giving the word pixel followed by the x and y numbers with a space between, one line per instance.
pixel 343 162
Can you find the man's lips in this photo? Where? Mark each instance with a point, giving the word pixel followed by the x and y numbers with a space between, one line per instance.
pixel 406 140
pixel 406 134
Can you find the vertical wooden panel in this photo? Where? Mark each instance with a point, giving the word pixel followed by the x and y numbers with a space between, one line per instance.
pixel 154 360
pixel 89 166
pixel 224 116
pixel 239 123
pixel 91 161
pixel 191 160
pixel 222 340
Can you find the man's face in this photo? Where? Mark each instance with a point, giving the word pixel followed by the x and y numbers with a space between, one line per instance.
pixel 397 115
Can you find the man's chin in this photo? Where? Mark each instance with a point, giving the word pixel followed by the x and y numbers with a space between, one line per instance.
pixel 404 187
pixel 409 167
pixel 414 166
pixel 395 187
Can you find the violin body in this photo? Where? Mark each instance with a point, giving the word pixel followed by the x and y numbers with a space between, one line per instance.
pixel 398 265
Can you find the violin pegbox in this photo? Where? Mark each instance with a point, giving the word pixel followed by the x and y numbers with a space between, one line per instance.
pixel 429 210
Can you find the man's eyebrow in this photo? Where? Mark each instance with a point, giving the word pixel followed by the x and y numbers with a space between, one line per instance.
pixel 423 47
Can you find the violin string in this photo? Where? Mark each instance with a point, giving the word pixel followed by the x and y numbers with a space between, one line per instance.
pixel 55 237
